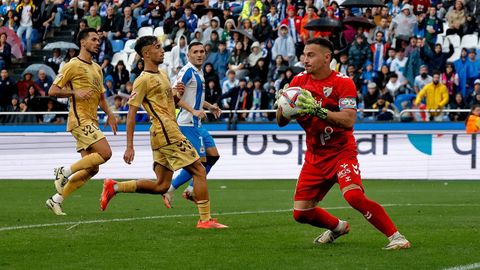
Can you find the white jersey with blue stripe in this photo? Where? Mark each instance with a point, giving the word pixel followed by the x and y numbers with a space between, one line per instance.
pixel 194 95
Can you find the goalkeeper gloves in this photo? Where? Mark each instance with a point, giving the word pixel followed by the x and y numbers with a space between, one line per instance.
pixel 278 94
pixel 309 105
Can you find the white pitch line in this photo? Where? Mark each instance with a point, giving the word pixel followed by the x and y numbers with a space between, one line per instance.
pixel 73 226
pixel 76 223
pixel 465 267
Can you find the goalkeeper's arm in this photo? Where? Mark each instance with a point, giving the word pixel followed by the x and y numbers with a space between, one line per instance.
pixel 344 119
pixel 281 121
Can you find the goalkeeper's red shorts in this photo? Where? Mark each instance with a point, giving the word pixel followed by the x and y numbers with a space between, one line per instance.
pixel 313 184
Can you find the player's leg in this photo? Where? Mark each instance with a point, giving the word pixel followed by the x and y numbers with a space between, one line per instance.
pixel 99 152
pixel 212 157
pixel 309 191
pixel 352 189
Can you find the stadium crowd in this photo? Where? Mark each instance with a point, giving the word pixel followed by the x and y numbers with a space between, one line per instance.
pixel 411 54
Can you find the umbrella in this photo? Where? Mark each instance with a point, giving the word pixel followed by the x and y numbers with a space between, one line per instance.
pixel 62 45
pixel 216 12
pixel 324 25
pixel 363 3
pixel 34 68
pixel 357 22
pixel 244 33
pixel 14 41
pixel 39 104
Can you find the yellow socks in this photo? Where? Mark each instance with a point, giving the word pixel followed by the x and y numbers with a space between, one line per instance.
pixel 88 161
pixel 75 182
pixel 204 210
pixel 127 186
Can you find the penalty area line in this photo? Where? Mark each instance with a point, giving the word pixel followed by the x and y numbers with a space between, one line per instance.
pixel 465 267
pixel 96 221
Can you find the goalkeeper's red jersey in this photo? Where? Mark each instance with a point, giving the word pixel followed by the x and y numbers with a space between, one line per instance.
pixel 327 144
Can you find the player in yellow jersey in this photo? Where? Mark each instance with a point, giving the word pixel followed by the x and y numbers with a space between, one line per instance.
pixel 171 150
pixel 81 80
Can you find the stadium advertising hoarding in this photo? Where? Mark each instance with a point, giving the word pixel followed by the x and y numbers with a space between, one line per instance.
pixel 258 155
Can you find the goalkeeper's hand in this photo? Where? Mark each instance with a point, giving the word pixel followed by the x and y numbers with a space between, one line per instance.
pixel 309 105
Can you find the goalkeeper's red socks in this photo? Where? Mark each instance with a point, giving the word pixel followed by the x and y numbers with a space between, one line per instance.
pixel 372 211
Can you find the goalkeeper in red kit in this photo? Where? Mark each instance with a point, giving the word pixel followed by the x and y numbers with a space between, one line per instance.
pixel 328 112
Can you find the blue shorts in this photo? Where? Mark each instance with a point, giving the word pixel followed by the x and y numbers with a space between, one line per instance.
pixel 199 137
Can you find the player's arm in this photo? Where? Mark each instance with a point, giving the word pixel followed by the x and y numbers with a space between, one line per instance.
pixel 130 152
pixel 111 119
pixel 198 113
pixel 281 121
pixel 344 119
pixel 214 109
pixel 64 78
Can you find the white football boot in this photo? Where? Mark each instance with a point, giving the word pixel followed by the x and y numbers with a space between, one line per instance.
pixel 60 179
pixel 55 207
pixel 329 236
pixel 397 241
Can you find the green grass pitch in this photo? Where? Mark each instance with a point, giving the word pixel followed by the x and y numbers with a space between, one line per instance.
pixel 441 219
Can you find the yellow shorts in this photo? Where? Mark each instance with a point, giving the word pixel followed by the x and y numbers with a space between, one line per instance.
pixel 86 135
pixel 176 155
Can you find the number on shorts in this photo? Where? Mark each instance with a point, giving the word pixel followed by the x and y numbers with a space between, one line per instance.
pixel 89 129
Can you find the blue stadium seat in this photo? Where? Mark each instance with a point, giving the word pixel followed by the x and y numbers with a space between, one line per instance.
pixel 401 98
pixel 117 45
pixel 141 19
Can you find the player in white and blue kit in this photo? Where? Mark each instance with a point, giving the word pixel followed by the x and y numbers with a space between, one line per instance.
pixel 190 119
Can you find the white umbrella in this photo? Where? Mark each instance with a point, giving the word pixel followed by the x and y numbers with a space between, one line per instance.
pixel 62 45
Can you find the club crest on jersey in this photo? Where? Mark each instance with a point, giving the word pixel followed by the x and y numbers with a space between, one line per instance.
pixel 327 91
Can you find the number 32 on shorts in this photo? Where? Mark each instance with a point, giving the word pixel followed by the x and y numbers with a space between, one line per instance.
pixel 89 129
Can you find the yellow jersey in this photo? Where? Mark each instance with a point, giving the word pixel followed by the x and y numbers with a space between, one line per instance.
pixel 154 92
pixel 79 74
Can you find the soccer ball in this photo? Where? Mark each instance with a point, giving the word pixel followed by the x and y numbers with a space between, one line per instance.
pixel 288 102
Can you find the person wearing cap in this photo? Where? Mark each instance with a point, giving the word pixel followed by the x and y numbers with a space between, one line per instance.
pixel 403 25
pixel 256 53
pixel 471 99
pixel 294 24
pixel 328 109
pixel 436 97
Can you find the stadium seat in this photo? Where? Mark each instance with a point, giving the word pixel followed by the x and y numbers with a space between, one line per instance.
pixel 145 31
pixel 469 41
pixel 117 45
pixel 130 61
pixel 141 19
pixel 167 58
pixel 158 31
pixel 439 40
pixel 454 39
pixel 119 56
pixel 456 55
pixel 128 48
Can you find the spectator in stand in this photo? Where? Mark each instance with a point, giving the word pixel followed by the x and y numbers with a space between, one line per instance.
pixel 56 59
pixel 294 24
pixel 118 106
pixel 10 21
pixel 256 53
pixel 209 74
pixel 394 8
pixel 368 76
pixel 394 86
pixel 383 14
pixel 464 70
pixel 420 6
pixel 126 26
pixel 287 79
pixel 455 104
pixel 359 53
pixel 450 79
pixel 179 30
pixel 32 92
pixel 109 22
pixel 227 30
pixel 391 54
pixel 437 60
pixel 22 86
pixel 383 76
pixel 383 107
pixel 247 9
pixel 403 25
pixel 238 61
pixel 415 61
pixel 263 30
pixel 93 20
pixel 221 4
pixel 228 84
pixel 369 99
pixel 179 56
pixel 155 12
pixel 120 75
pixel 5 52
pixel 13 106
pixel 25 11
pixel 309 16
pixel 255 17
pixel 473 121
pixel 436 97
pixel 384 28
pixel 105 50
pixel 82 24
pixel 137 70
pixel 107 67
pixel 379 51
pixel 247 26
pixel 214 26
pixel 170 21
pixel 7 90
pixel 191 20
pixel 475 63
pixel 240 98
pixel 44 81
pixel 456 19
pixel 422 79
pixel 212 93
pixel 273 20
pixel 399 66
pixel 432 26
pixel 260 70
pixel 342 66
pixel 284 45
pixel 204 21
pixel 220 60
pixel 476 91
pixel 259 101
pixel 6 6
pixel 109 86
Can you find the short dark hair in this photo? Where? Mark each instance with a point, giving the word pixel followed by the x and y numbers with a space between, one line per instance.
pixel 195 43
pixel 322 42
pixel 144 41
pixel 4 33
pixel 436 72
pixel 84 34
